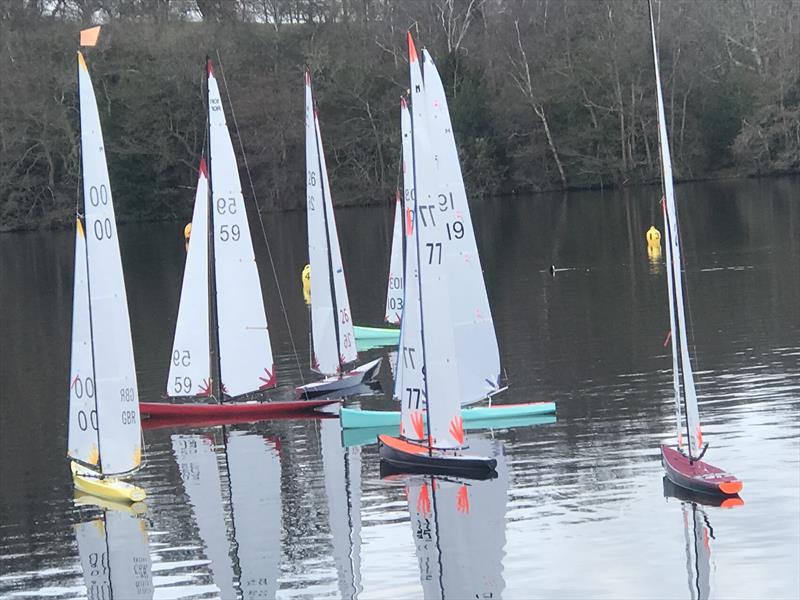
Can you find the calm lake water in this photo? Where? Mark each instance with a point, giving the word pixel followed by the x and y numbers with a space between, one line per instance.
pixel 579 510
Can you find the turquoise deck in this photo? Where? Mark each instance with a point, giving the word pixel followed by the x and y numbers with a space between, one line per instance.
pixel 369 435
pixel 356 419
pixel 389 335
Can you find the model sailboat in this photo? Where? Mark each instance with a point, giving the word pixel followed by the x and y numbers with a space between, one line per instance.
pixel 476 364
pixel 429 384
pixel 682 464
pixel 333 338
pixel 105 435
pixel 221 302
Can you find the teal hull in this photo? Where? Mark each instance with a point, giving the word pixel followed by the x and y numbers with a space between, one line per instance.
pixel 369 435
pixel 356 419
pixel 387 335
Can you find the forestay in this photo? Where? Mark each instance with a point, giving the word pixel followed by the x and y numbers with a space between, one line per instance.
pixel 83 443
pixel 435 226
pixel 189 370
pixel 114 382
pixel 473 327
pixel 394 291
pixel 246 363
pixel 674 272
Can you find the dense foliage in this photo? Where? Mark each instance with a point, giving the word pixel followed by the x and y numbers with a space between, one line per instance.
pixel 543 93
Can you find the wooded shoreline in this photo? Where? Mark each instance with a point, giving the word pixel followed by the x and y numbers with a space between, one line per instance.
pixel 543 95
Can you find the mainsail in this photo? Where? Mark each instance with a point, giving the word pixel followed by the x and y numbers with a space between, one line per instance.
pixel 245 354
pixel 106 374
pixel 190 368
pixel 331 320
pixel 473 327
pixel 680 346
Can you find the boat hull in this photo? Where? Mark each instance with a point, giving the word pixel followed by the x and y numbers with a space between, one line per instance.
pixel 354 419
pixel 108 488
pixel 408 457
pixel 230 412
pixel 390 335
pixel 339 386
pixel 698 476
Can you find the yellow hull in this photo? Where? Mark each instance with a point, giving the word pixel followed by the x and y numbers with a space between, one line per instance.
pixel 108 488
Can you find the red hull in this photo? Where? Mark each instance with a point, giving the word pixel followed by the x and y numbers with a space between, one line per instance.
pixel 172 422
pixel 228 413
pixel 698 476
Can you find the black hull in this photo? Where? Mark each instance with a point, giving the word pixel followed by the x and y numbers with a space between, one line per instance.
pixel 394 461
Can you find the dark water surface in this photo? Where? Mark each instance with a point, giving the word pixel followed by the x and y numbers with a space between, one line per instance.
pixel 579 508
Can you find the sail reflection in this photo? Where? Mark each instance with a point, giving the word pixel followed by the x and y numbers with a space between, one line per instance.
pixel 698 534
pixel 114 553
pixel 342 471
pixel 459 531
pixel 242 546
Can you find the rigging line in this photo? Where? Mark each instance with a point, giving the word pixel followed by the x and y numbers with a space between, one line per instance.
pixel 260 220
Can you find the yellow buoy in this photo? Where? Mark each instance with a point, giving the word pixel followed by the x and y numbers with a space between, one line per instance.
pixel 307 284
pixel 653 237
pixel 187 233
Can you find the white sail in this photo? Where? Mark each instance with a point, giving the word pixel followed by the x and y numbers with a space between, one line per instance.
pixel 473 327
pixel 83 444
pixel 199 469
pixel 255 478
pixel 115 556
pixel 245 353
pixel 190 369
pixel 437 252
pixel 342 471
pixel 409 386
pixel 347 336
pixel 676 373
pixel 674 268
pixel 323 324
pixel 117 396
pixel 394 291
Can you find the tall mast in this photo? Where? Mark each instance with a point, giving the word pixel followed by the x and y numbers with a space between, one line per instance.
pixel 412 51
pixel 215 367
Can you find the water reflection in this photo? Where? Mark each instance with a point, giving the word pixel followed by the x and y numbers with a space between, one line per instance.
pixel 342 472
pixel 458 529
pixel 698 533
pixel 114 553
pixel 243 548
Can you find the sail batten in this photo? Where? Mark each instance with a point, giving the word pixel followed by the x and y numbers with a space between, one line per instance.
pixel 678 325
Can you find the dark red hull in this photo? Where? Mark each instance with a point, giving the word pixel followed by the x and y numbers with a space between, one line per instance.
pixel 172 422
pixel 698 476
pixel 233 412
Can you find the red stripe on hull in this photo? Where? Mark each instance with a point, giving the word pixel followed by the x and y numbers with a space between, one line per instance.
pixel 251 411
